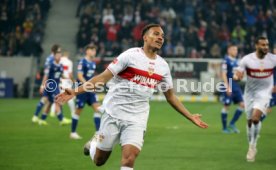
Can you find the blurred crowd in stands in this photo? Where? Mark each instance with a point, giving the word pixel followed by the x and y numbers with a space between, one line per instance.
pixel 22 25
pixel 193 29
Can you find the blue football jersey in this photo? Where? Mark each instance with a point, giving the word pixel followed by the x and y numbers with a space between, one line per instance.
pixel 229 65
pixel 274 76
pixel 54 71
pixel 87 68
pixel 49 60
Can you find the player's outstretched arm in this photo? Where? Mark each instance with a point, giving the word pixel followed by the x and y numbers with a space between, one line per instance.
pixel 178 106
pixel 90 85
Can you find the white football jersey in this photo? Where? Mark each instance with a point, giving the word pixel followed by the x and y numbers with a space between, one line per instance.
pixel 67 66
pixel 67 70
pixel 259 74
pixel 135 78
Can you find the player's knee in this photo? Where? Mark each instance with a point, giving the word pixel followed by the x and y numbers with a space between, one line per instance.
pixel 255 120
pixel 99 161
pixel 128 160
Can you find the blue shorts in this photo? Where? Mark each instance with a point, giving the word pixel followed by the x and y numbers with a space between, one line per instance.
pixel 88 97
pixel 236 97
pixel 51 94
pixel 272 100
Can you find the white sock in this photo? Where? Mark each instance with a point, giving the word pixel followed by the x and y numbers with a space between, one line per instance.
pixel 255 132
pixel 126 168
pixel 92 149
pixel 75 116
pixel 248 130
pixel 97 115
pixel 53 107
pixel 71 104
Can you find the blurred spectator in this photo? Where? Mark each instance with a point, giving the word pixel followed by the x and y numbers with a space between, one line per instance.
pixel 22 26
pixel 179 50
pixel 196 29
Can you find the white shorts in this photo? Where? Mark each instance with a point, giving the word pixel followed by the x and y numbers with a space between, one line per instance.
pixel 113 131
pixel 257 103
pixel 65 84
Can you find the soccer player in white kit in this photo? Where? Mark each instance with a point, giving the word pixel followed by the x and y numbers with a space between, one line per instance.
pixel 67 80
pixel 259 70
pixel 135 74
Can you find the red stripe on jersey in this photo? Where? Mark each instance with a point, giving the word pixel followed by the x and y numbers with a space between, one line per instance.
pixel 258 73
pixel 65 67
pixel 141 77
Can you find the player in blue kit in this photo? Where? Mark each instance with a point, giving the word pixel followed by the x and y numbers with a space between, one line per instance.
pixel 43 99
pixel 272 102
pixel 233 91
pixel 50 86
pixel 86 70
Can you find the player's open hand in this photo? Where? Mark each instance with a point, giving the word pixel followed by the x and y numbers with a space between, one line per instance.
pixel 65 96
pixel 238 75
pixel 197 121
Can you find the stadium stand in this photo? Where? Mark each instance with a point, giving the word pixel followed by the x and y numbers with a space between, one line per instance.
pixel 22 27
pixel 194 29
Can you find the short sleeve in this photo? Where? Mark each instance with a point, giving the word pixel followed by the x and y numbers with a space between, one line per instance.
pixel 80 67
pixel 224 66
pixel 47 70
pixel 119 64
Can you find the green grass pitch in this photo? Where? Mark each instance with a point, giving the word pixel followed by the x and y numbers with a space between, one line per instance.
pixel 171 141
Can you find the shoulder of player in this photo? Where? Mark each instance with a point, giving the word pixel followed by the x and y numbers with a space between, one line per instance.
pixel 248 56
pixel 271 55
pixel 82 60
pixel 131 51
pixel 161 61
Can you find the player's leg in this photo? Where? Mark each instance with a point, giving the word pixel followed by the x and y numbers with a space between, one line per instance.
pixel 224 112
pixel 71 104
pixel 96 116
pixel 95 105
pixel 132 139
pixel 80 103
pixel 272 103
pixel 53 110
pixel 129 155
pixel 59 113
pixel 259 107
pixel 254 127
pixel 237 98
pixel 43 118
pixel 100 146
pixel 39 107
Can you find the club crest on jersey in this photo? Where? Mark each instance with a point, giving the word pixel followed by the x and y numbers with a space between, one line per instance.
pixel 150 71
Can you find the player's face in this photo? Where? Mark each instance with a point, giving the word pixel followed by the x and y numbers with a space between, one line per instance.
pixel 233 51
pixel 91 52
pixel 58 56
pixel 155 37
pixel 262 46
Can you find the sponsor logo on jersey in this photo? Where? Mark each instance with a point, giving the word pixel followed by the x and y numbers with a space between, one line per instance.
pixel 259 73
pixel 145 81
pixel 141 77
